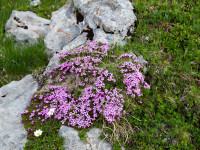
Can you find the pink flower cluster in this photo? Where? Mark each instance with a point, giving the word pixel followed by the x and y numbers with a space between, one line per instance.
pixel 82 111
pixel 81 66
pixel 95 97
pixel 93 49
pixel 133 56
pixel 133 78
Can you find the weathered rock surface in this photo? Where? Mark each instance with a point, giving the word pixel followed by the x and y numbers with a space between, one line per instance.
pixel 14 98
pixel 63 29
pixel 26 26
pixel 73 142
pixel 55 61
pixel 65 15
pixel 78 41
pixel 114 18
pixel 100 35
pixel 21 35
pixel 105 21
pixel 60 36
pixel 35 3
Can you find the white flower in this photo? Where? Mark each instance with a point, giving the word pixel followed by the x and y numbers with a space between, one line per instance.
pixel 38 133
pixel 51 111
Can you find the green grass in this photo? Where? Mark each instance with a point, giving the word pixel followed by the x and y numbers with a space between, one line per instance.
pixel 15 60
pixel 18 61
pixel 169 117
pixel 46 8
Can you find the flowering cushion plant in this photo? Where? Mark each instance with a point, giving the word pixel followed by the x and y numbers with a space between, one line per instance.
pixel 80 90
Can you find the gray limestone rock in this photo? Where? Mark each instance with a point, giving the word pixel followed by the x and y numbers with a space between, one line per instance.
pixel 26 26
pixel 60 36
pixel 63 29
pixel 55 61
pixel 73 142
pixel 107 21
pixel 14 98
pixel 22 35
pixel 100 35
pixel 114 18
pixel 78 41
pixel 65 15
pixel 110 21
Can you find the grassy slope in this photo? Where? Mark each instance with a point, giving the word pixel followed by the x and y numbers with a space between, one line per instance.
pixel 169 115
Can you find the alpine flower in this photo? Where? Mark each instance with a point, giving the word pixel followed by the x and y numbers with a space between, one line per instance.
pixel 51 111
pixel 38 133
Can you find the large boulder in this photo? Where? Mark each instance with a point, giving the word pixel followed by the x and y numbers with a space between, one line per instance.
pixel 14 98
pixel 114 19
pixel 73 142
pixel 26 26
pixel 103 20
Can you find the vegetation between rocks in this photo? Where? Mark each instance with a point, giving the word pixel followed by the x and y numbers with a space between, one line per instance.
pixel 167 35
